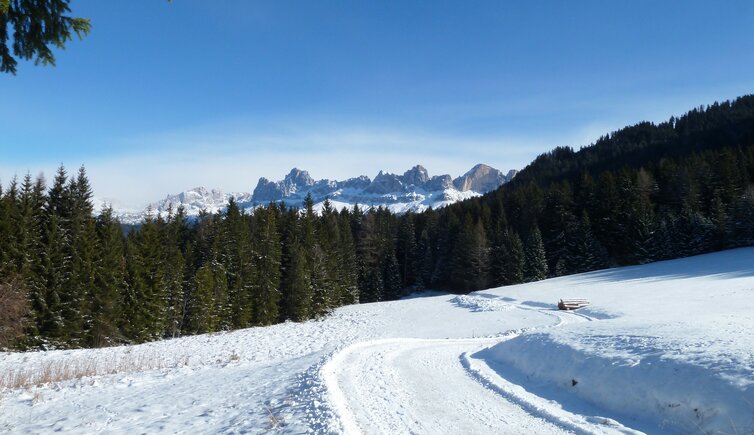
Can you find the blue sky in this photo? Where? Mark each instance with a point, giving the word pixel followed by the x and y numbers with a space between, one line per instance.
pixel 162 97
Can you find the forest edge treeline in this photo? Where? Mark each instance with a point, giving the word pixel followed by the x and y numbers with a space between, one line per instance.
pixel 644 193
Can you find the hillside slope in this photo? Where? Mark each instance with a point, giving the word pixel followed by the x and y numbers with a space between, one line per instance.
pixel 644 193
pixel 664 348
pixel 705 128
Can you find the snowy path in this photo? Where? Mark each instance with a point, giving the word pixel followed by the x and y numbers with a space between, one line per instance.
pixel 408 385
pixel 420 386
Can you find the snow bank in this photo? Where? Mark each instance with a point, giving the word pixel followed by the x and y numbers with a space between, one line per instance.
pixel 670 344
pixel 675 395
pixel 477 303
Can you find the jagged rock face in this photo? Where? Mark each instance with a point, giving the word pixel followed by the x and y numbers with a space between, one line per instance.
pixel 267 191
pixel 416 176
pixel 385 183
pixel 298 179
pixel 481 178
pixel 322 188
pixel 439 182
pixel 295 181
pixel 361 183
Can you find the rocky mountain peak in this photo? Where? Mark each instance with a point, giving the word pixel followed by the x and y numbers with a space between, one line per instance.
pixel 481 178
pixel 298 178
pixel 385 183
pixel 416 176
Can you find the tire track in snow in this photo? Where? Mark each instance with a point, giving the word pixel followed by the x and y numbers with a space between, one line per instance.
pixel 418 386
pixel 385 385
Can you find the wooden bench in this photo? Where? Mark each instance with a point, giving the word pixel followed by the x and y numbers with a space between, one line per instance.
pixel 572 304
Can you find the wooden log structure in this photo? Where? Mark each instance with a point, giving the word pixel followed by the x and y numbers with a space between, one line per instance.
pixel 572 304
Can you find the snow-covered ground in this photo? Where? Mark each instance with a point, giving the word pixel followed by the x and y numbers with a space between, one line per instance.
pixel 663 348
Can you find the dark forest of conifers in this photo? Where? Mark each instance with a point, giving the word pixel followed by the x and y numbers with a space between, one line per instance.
pixel 70 276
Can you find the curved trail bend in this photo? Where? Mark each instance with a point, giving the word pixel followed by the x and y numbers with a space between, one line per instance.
pixel 409 385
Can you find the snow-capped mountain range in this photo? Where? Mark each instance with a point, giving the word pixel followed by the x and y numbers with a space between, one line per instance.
pixel 415 190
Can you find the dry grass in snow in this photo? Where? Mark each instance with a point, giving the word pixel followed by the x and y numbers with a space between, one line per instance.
pixel 66 369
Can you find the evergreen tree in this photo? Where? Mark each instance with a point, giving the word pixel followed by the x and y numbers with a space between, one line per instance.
pixel 10 209
pixel 557 217
pixel 36 28
pixel 584 252
pixel 320 281
pixel 329 288
pixel 296 284
pixel 425 260
pixel 664 240
pixel 510 259
pixel 636 218
pixel 447 226
pixel 80 288
pixel 535 264
pixel 407 252
pixel 694 233
pixel 370 256
pixel 606 224
pixel 225 308
pixel 741 222
pixel 31 249
pixel 5 234
pixel 150 294
pixel 175 262
pixel 470 257
pixel 236 254
pixel 348 270
pixel 132 321
pixel 204 315
pixel 267 260
pixel 372 285
pixel 56 262
pixel 719 219
pixel 391 279
pixel 220 297
pixel 109 281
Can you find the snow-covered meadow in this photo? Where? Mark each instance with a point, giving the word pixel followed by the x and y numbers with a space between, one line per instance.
pixel 663 348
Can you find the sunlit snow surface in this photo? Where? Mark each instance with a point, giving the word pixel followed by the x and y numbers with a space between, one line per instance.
pixel 663 348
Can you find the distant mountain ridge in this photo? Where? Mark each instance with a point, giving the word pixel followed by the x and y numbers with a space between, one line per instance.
pixel 415 190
